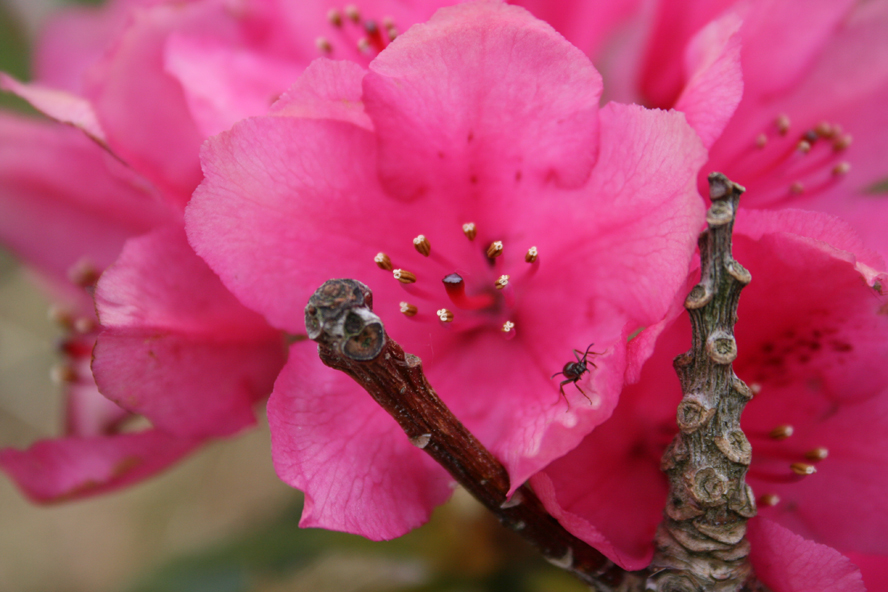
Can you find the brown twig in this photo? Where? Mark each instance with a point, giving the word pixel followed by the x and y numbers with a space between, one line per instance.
pixel 351 338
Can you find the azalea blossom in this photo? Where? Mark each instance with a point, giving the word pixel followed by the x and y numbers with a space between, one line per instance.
pixel 471 180
pixel 816 359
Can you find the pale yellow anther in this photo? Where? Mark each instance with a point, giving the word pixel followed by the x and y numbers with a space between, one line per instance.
pixel 364 45
pixel 387 22
pixel 351 11
pixel 817 454
pixel 804 147
pixel 383 262
pixel 495 249
pixel 842 142
pixel 83 273
pixel 841 169
pixel 531 255
pixel 408 309
pixel 508 326
pixel 502 281
pixel 60 316
pixel 797 188
pixel 825 130
pixel 62 374
pixel 404 276
pixel 334 17
pixel 445 315
pixel 84 325
pixel 803 469
pixel 469 230
pixel 769 500
pixel 783 124
pixel 323 45
pixel 422 245
pixel 761 140
pixel 781 432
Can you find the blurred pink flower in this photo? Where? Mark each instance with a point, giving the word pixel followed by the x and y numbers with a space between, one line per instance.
pixel 148 81
pixel 817 352
pixel 473 145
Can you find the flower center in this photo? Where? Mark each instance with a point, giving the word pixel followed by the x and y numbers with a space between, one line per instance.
pixel 480 292
pixel 783 161
pixel 353 37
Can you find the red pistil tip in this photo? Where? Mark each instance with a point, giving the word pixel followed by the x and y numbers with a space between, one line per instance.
pixel 404 276
pixel 761 140
pixel 383 262
pixel 502 281
pixel 803 469
pixel 782 124
pixel 323 45
pixel 408 309
pixel 456 290
pixel 495 249
pixel 817 454
pixel 469 230
pixel 781 432
pixel 335 17
pixel 353 14
pixel 769 500
pixel 445 315
pixel 422 245
pixel 841 169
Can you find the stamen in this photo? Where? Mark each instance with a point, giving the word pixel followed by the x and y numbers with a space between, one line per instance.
pixel 456 290
pixel 803 469
pixel 824 130
pixel 408 309
pixel 352 13
pixel 323 45
pixel 84 325
pixel 842 143
pixel 768 500
pixel 60 316
pixel 817 454
pixel 797 188
pixel 841 169
pixel 508 329
pixel 364 45
pixel 783 124
pixel 469 230
pixel 334 17
pixel 83 273
pixel 404 276
pixel 531 255
pixel 383 262
pixel 502 281
pixel 781 432
pixel 495 249
pixel 62 373
pixel 755 388
pixel 761 141
pixel 803 146
pixel 422 244
pixel 445 315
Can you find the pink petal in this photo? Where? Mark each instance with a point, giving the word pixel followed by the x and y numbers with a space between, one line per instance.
pixel 786 562
pixel 85 203
pixel 472 60
pixel 177 347
pixel 874 569
pixel 72 468
pixel 714 78
pixel 359 472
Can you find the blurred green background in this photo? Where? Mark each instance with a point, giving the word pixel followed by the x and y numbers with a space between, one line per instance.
pixel 221 521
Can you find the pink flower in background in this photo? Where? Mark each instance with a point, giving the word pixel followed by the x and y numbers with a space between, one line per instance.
pixel 814 350
pixel 148 81
pixel 473 145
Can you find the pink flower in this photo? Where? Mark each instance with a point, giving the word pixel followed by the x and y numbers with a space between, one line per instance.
pixel 475 132
pixel 815 349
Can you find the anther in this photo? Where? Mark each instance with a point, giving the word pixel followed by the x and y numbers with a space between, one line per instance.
pixel 755 388
pixel 364 45
pixel 388 22
pixel 383 262
pixel 469 230
pixel 84 325
pixel 781 432
pixel 783 124
pixel 841 169
pixel 797 188
pixel 352 12
pixel 824 130
pixel 62 373
pixel 60 316
pixel 323 45
pixel 502 281
pixel 404 276
pixel 408 310
pixel 761 141
pixel 803 146
pixel 803 469
pixel 445 315
pixel 768 500
pixel 334 17
pixel 83 273
pixel 842 142
pixel 531 255
pixel 422 245
pixel 817 454
pixel 508 327
pixel 495 249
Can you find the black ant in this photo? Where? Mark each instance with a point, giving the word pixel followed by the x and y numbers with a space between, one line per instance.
pixel 573 371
